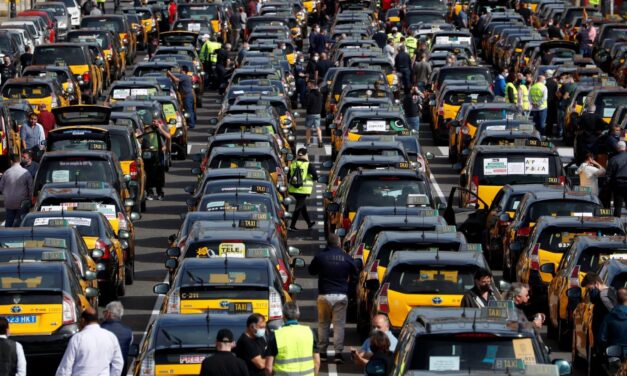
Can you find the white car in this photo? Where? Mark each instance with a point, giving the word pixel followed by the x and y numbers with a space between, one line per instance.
pixel 73 9
pixel 29 26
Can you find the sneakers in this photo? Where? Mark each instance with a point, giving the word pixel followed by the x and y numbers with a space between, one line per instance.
pixel 312 224
pixel 320 145
pixel 323 356
pixel 150 196
pixel 292 228
pixel 338 359
pixel 160 197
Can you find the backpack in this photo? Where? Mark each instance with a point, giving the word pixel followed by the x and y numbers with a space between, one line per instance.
pixel 296 180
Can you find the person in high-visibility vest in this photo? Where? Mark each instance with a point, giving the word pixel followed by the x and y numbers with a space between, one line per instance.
pixel 205 59
pixel 292 350
pixel 511 92
pixel 523 95
pixel 538 96
pixel 411 44
pixel 395 36
pixel 211 57
pixel 301 188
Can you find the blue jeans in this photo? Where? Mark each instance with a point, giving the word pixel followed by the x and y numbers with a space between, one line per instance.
pixel 539 118
pixel 406 77
pixel 13 217
pixel 188 102
pixel 414 123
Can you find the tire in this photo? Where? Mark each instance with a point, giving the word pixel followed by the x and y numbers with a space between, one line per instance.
pixel 129 274
pixel 564 340
pixel 143 205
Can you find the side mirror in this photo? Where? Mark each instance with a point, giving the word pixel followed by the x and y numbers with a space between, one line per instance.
pixel 372 284
pixel 127 178
pixel 615 351
pixel 213 121
pixel 129 203
pixel 195 171
pixel 97 254
pixel 298 263
pixel 504 217
pixel 563 367
pixel 333 207
pixel 171 264
pixel 504 285
pixel 286 169
pixel 173 252
pixel 340 232
pixel 323 179
pixel 289 157
pixel 123 234
pixel 429 156
pixel 288 201
pixel 133 350
pixel 574 293
pixel 90 275
pixel 91 292
pixel 189 189
pixel 327 164
pixel 135 216
pixel 294 289
pixel 548 268
pixel 161 288
pixel 293 251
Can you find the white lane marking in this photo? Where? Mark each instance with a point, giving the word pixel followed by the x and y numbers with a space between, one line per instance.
pixel 437 188
pixel 319 209
pixel 566 152
pixel 443 150
pixel 332 368
pixel 189 149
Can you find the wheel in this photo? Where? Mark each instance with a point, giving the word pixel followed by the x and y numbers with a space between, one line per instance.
pixel 129 274
pixel 563 339
pixel 143 205
pixel 121 287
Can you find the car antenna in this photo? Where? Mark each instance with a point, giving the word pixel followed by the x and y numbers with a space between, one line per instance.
pixel 474 322
pixel 76 174
pixel 394 205
pixel 464 312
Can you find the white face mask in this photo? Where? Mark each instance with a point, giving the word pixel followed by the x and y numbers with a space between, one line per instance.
pixel 316 58
pixel 260 332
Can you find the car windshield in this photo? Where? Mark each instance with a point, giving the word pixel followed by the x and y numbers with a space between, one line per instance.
pixel 559 239
pixel 76 144
pixel 426 18
pixel 85 226
pixel 260 204
pixel 386 251
pixel 67 55
pixel 514 168
pixel 457 98
pixel 23 279
pixel 469 351
pixel 432 279
pixel 607 104
pixel 357 78
pixel 247 127
pixel 121 146
pixel 593 257
pixel 112 24
pixel 229 249
pixel 84 37
pixel 18 91
pixel 57 10
pixel 53 170
pixel 561 208
pixel 383 191
pixel 388 152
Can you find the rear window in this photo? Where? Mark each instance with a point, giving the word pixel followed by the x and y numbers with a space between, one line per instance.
pixel 388 152
pixel 386 252
pixel 235 275
pixel 85 226
pixel 607 104
pixel 18 91
pixel 457 98
pixel 383 191
pixel 515 169
pixel 67 55
pixel 372 125
pixel 479 116
pixel 208 12
pixel 559 239
pixel 432 279
pixel 365 93
pixel 593 257
pixel 248 127
pixel 123 93
pixel 560 208
pixel 112 24
pixel 17 280
pixel 426 18
pixel 229 249
pixel 344 79
pixel 225 161
pixel 76 144
pixel 192 336
pixel 121 146
pixel 73 169
pixel 260 204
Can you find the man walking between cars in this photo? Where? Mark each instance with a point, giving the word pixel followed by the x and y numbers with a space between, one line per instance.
pixel 617 177
pixel 12 359
pixel 113 313
pixel 335 269
pixel 538 96
pixel 301 179
pixel 16 185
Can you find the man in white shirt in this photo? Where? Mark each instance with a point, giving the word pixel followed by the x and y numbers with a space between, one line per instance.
pixel 92 352
pixel 12 359
pixel 589 173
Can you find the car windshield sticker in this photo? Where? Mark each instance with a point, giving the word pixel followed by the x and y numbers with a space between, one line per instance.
pixel 61 176
pixel 523 349
pixel 74 221
pixel 444 363
pixel 515 168
pixel 536 166
pixel 376 126
pixel 495 166
pixel 232 250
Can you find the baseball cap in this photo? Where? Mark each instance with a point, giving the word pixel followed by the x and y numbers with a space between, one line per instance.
pixel 224 335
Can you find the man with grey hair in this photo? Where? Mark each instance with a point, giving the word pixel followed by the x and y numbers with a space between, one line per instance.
pixel 519 294
pixel 293 348
pixel 113 313
pixel 335 270
pixel 617 177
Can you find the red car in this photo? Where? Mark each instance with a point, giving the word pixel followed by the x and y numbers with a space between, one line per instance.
pixel 47 18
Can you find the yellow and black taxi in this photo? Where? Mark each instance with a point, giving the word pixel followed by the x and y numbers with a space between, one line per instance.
pixel 574 110
pixel 490 167
pixel 120 26
pixel 356 91
pixel 123 90
pixel 383 146
pixel 79 59
pixel 227 285
pixel 100 60
pixel 62 74
pixel 177 344
pixel 209 175
pixel 385 187
pixel 36 90
pixel 449 99
pixel 280 104
pixel 492 133
pixel 550 240
pixel 335 120
pixel 586 254
pixel 463 128
pixel 424 279
pixel 110 44
pixel 97 234
pixel 207 11
pixel 43 302
pixel 613 273
pixel 188 50
pixel 147 18
pixel 352 76
pixel 254 123
pixel 493 339
pixel 252 237
pixel 606 100
pixel 535 205
pixel 250 157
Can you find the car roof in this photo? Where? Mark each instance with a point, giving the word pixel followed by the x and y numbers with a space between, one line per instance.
pixel 434 258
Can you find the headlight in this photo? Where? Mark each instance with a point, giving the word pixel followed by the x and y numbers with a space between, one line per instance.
pixel 62 25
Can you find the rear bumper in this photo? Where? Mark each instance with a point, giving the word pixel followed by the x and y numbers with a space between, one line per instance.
pixel 47 346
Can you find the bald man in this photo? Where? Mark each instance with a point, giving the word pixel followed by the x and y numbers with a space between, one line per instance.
pixel 380 323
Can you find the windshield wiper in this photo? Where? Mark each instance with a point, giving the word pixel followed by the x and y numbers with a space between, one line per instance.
pixel 195 278
pixel 172 338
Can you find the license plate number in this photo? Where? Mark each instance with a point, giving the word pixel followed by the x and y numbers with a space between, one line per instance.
pixel 240 307
pixel 192 359
pixel 22 319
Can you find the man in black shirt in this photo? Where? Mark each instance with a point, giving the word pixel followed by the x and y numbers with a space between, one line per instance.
pixel 481 293
pixel 26 58
pixel 525 12
pixel 322 67
pixel 380 37
pixel 236 28
pixel 251 345
pixel 223 362
pixel 402 64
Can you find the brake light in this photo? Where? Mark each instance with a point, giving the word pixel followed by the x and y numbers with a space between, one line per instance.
pixel 122 222
pixel 574 277
pixel 346 223
pixel 360 251
pixel 382 301
pixel 69 310
pixel 275 311
pixel 441 111
pixel 534 259
pixel 195 78
pixel 104 247
pixel 148 365
pixel 86 77
pixel 372 274
pixel 283 272
pixel 133 170
pixel 562 180
pixel 174 302
pixel 524 231
pixel 474 188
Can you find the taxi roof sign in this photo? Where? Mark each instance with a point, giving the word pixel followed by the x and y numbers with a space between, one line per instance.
pixel 446 229
pixel 53 256
pixel 579 188
pixel 255 175
pixel 248 223
pixel 531 142
pixel 474 247
pixel 417 199
pixel 553 181
pixel 55 243
pixel 495 313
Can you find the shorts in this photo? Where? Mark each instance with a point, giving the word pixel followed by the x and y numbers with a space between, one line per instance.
pixel 312 121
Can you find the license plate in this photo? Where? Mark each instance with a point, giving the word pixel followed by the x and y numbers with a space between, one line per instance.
pixel 192 359
pixel 240 307
pixel 22 319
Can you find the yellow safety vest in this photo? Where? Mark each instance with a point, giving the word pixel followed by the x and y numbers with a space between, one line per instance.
pixel 524 92
pixel 213 47
pixel 508 86
pixel 308 183
pixel 411 44
pixel 295 351
pixel 396 38
pixel 204 52
pixel 536 94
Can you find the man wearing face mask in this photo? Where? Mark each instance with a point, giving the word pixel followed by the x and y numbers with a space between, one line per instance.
pixel 481 293
pixel 604 300
pixel 251 345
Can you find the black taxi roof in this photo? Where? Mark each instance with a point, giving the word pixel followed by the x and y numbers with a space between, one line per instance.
pixel 435 258
pixel 419 237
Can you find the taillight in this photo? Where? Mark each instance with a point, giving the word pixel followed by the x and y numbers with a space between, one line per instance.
pixel 574 277
pixel 174 302
pixel 360 252
pixel 441 111
pixel 86 77
pixel 562 180
pixel 275 311
pixel 69 310
pixel 283 272
pixel 503 223
pixel 534 258
pixel 133 170
pixel 523 231
pixel 104 247
pixel 346 223
pixel 195 78
pixel 373 274
pixel 474 188
pixel 148 365
pixel 382 301
pixel 122 223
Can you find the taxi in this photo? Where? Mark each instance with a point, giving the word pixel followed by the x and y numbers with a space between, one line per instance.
pixel 98 235
pixel 353 76
pixel 550 240
pixel 385 187
pixel 250 157
pixel 613 273
pixel 335 120
pixel 206 285
pixel 606 101
pixel 451 96
pixel 534 205
pixel 494 339
pixel 256 238
pixel 148 21
pixel 209 175
pixel 123 90
pixel 62 74
pixel 384 146
pixel 110 44
pixel 424 279
pixel 496 133
pixel 490 167
pixel 188 50
pixel 383 64
pixel 36 91
pixel 281 104
pixel 587 253
pixel 247 123
pixel 81 62
pixel 120 26
pixel 207 11
pixel 43 303
pixel 360 91
pixel 177 344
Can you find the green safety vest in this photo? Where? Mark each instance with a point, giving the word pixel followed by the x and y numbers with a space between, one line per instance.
pixel 204 52
pixel 151 141
pixel 396 38
pixel 536 94
pixel 508 86
pixel 524 92
pixel 593 2
pixel 308 183
pixel 411 44
pixel 213 47
pixel 295 351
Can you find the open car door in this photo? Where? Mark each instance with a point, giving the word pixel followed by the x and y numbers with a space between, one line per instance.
pixel 470 221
